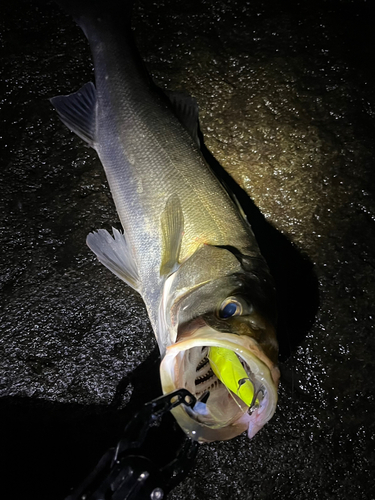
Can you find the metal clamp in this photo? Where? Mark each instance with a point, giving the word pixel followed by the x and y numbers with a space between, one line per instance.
pixel 125 473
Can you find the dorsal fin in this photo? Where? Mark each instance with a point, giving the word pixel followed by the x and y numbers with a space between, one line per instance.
pixel 235 200
pixel 185 108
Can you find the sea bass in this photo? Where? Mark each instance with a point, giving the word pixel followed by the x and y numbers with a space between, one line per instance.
pixel 186 247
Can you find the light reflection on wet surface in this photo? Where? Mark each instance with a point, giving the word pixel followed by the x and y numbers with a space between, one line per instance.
pixel 287 109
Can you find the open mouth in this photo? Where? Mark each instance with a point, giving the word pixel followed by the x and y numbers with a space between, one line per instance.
pixel 226 404
pixel 206 382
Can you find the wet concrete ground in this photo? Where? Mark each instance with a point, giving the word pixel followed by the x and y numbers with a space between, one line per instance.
pixel 286 101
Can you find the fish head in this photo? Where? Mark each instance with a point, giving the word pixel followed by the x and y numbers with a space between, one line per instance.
pixel 221 300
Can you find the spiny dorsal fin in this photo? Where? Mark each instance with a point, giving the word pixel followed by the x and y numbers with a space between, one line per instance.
pixel 172 227
pixel 114 252
pixel 78 112
pixel 235 200
pixel 186 110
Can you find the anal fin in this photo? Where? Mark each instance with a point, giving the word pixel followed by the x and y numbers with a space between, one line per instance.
pixel 78 112
pixel 114 252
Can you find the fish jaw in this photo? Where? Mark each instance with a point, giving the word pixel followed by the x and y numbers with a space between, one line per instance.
pixel 224 415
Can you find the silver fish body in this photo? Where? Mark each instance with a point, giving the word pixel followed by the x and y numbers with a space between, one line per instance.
pixel 186 248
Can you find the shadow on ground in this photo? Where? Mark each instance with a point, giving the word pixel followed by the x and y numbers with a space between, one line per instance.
pixel 296 283
pixel 49 448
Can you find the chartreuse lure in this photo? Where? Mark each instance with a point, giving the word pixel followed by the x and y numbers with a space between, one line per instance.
pixel 229 370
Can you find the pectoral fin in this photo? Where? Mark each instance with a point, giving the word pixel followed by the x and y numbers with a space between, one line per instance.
pixel 78 112
pixel 114 252
pixel 172 227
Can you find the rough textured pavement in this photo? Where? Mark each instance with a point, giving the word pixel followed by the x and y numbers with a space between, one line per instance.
pixel 286 100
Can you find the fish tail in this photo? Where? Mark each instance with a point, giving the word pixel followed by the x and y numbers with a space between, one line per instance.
pixel 92 12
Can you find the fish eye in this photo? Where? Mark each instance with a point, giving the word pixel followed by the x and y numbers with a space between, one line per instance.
pixel 230 307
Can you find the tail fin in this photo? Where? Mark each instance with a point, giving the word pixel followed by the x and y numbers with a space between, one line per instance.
pixel 113 12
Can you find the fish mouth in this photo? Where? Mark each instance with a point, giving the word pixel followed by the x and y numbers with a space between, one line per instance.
pixel 219 413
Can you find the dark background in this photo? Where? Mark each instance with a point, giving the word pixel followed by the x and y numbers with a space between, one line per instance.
pixel 286 99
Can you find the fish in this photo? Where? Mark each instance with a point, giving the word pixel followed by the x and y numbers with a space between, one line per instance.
pixel 186 246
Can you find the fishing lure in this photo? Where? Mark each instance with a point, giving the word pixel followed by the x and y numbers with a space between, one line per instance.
pixel 228 368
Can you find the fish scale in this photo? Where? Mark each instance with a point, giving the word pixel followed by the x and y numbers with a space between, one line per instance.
pixel 166 164
pixel 186 247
